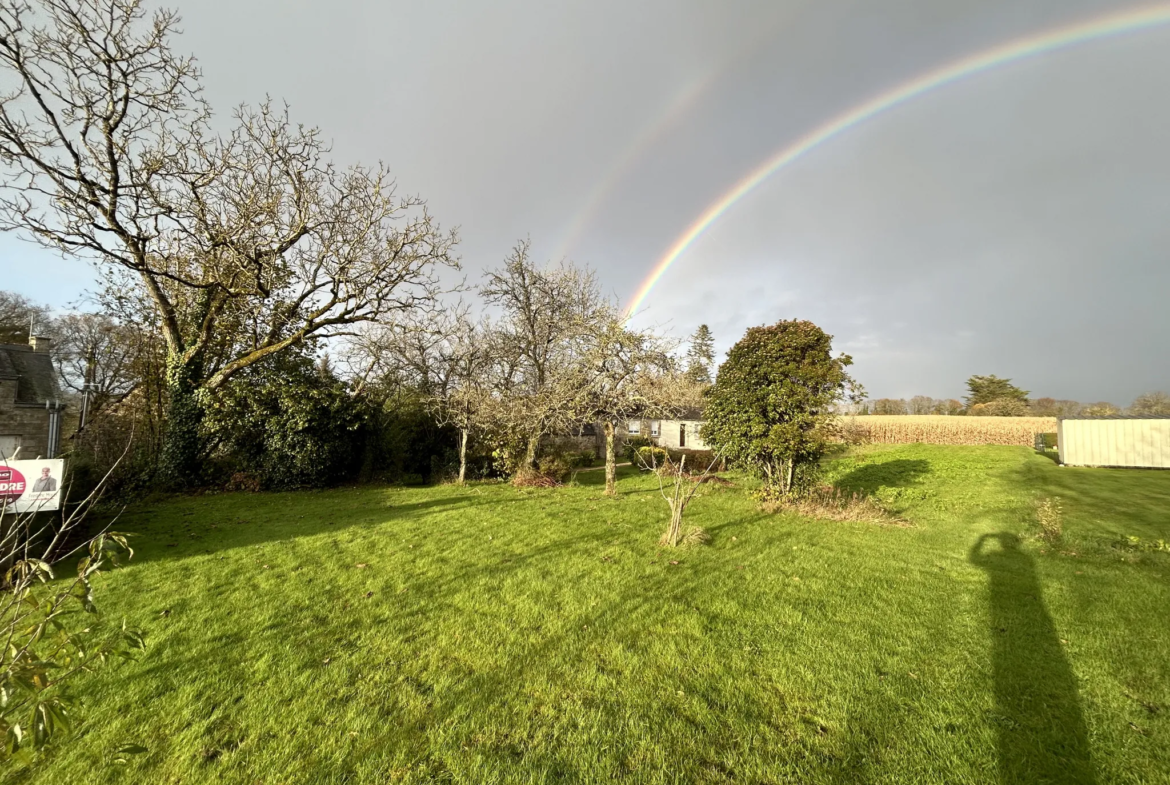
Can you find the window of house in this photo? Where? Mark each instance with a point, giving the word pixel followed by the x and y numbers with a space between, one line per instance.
pixel 654 428
pixel 634 427
pixel 8 445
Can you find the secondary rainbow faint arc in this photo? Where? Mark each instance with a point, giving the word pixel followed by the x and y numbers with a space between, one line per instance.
pixel 675 111
pixel 1102 27
pixel 634 152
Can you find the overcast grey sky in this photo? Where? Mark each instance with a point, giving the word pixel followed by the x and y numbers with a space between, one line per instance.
pixel 1015 223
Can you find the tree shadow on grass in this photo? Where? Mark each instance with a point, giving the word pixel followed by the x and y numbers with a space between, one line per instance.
pixel 179 529
pixel 184 526
pixel 727 525
pixel 868 479
pixel 1042 734
pixel 595 475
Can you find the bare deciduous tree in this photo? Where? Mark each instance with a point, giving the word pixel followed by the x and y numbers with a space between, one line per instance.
pixel 245 244
pixel 890 406
pixel 679 494
pixel 466 400
pixel 444 355
pixel 543 337
pixel 20 316
pixel 98 357
pixel 1153 403
pixel 627 375
pixel 1100 409
pixel 949 406
pixel 921 404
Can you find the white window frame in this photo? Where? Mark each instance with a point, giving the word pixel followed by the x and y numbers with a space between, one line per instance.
pixel 634 427
pixel 655 428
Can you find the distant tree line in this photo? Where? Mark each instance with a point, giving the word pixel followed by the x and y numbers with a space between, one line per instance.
pixel 992 396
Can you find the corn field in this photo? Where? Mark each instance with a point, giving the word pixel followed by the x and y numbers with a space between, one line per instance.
pixel 942 429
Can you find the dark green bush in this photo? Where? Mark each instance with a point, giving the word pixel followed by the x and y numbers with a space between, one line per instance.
pixel 557 466
pixel 581 459
pixel 771 406
pixel 403 439
pixel 697 460
pixel 287 423
pixel 283 423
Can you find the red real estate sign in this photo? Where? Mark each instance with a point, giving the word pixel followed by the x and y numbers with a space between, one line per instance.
pixel 11 485
pixel 30 486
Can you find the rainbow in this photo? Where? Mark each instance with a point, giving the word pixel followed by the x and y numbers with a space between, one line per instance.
pixel 675 111
pixel 1102 27
pixel 641 144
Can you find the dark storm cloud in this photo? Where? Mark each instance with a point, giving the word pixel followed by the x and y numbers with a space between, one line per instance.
pixel 1013 224
pixel 1010 224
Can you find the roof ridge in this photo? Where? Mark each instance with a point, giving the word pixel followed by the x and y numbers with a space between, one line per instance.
pixel 1115 417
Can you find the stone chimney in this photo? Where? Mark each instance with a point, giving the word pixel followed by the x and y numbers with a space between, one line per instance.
pixel 39 343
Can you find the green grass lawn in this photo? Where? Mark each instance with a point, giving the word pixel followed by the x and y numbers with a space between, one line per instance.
pixel 489 635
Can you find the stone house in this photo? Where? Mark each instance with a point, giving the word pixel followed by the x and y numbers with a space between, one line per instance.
pixel 676 434
pixel 30 409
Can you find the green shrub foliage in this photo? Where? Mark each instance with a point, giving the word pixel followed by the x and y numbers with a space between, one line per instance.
pixel 49 645
pixel 288 422
pixel 647 457
pixel 403 443
pixel 770 408
pixel 632 446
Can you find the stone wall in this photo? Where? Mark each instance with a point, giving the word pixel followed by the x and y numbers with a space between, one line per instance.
pixel 576 443
pixel 30 423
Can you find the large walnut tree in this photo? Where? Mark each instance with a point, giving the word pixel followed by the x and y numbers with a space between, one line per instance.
pixel 245 243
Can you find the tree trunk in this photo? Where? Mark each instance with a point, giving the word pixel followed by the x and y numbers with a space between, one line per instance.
pixel 530 453
pixel 675 534
pixel 462 454
pixel 179 460
pixel 791 469
pixel 610 462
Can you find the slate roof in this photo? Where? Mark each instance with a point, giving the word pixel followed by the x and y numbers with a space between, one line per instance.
pixel 36 378
pixel 693 413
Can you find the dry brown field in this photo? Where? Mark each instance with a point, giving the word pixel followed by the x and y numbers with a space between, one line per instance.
pixel 943 429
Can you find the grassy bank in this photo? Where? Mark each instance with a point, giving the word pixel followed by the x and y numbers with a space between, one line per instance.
pixel 488 634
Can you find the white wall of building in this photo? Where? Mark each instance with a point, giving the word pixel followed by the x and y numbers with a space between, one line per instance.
pixel 1136 442
pixel 670 433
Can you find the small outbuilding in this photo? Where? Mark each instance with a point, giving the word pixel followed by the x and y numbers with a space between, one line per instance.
pixel 1119 440
pixel 677 434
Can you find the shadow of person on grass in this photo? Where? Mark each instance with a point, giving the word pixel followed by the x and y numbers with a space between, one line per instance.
pixel 1042 734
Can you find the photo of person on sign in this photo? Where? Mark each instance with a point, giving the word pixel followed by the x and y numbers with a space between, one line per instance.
pixel 46 483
